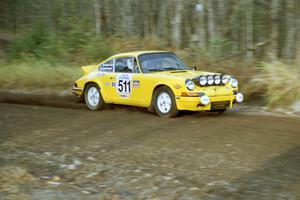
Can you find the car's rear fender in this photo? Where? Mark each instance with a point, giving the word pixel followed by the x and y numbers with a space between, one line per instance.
pixel 87 69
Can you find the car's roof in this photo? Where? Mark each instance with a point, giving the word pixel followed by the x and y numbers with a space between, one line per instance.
pixel 137 53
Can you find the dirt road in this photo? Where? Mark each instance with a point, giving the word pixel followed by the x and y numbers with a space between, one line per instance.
pixel 124 153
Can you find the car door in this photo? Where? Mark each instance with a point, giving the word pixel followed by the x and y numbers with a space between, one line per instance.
pixel 138 82
pixel 126 81
pixel 121 81
pixel 107 77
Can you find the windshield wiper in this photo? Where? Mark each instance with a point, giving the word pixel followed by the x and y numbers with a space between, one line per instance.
pixel 170 68
pixel 155 70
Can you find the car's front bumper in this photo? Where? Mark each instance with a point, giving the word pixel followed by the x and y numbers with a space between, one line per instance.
pixel 216 102
pixel 77 91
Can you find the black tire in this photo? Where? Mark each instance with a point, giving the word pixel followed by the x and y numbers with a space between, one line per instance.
pixel 172 112
pixel 100 103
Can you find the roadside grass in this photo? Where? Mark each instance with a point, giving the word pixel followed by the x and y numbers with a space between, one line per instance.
pixel 37 75
pixel 277 82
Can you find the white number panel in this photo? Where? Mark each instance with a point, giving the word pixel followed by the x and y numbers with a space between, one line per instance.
pixel 123 85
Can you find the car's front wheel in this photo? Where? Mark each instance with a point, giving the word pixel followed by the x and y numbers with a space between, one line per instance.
pixel 164 102
pixel 93 97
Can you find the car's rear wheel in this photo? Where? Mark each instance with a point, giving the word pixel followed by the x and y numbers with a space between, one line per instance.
pixel 164 102
pixel 93 97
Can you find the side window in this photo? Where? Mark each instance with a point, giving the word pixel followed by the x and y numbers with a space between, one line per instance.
pixel 107 66
pixel 125 65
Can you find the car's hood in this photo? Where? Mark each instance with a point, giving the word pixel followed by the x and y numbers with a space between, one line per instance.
pixel 186 74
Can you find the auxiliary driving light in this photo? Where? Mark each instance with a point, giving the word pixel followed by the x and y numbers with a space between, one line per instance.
pixel 225 78
pixel 205 100
pixel 217 79
pixel 239 97
pixel 234 82
pixel 202 80
pixel 210 80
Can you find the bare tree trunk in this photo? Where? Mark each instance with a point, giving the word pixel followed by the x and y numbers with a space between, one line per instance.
pixel 151 16
pixel 297 32
pixel 210 21
pixel 176 36
pixel 127 18
pixel 249 31
pixel 162 19
pixel 200 27
pixel 169 23
pixel 273 50
pixel 97 17
pixel 235 33
pixel 228 19
pixel 146 24
pixel 298 45
pixel 220 16
pixel 107 16
pixel 288 49
pixel 186 25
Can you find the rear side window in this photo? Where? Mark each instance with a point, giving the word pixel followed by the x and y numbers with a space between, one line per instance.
pixel 107 66
pixel 124 65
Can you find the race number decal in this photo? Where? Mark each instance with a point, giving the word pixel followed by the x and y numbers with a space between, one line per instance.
pixel 124 82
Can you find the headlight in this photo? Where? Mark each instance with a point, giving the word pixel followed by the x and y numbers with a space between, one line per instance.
pixel 189 84
pixel 202 80
pixel 225 79
pixel 217 79
pixel 234 83
pixel 210 80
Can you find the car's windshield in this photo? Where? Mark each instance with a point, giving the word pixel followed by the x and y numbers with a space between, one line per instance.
pixel 155 62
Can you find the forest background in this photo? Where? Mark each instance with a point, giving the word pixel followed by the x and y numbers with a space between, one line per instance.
pixel 44 42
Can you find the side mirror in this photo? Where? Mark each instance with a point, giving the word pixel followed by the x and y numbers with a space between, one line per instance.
pixel 194 68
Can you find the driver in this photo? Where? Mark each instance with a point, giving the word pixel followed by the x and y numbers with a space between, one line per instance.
pixel 132 66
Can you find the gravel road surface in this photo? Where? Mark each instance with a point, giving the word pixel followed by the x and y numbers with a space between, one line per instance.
pixel 124 153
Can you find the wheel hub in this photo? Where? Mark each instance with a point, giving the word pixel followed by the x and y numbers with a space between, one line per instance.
pixel 93 96
pixel 164 102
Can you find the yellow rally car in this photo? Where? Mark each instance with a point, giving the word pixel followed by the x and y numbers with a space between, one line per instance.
pixel 158 80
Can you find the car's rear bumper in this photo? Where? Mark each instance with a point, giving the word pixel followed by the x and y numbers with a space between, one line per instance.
pixel 216 102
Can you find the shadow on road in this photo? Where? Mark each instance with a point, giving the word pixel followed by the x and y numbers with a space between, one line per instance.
pixel 72 102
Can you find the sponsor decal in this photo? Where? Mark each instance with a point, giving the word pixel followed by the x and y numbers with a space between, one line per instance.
pixel 124 84
pixel 124 95
pixel 113 84
pixel 106 67
pixel 136 84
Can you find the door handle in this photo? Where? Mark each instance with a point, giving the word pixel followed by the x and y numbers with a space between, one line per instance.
pixel 112 78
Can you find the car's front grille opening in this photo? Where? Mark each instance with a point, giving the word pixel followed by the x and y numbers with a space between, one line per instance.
pixel 220 105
